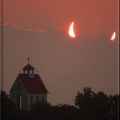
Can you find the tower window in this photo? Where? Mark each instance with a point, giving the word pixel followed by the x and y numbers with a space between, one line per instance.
pixel 31 72
pixel 26 71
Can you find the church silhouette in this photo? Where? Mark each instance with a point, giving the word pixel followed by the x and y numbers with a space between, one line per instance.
pixel 28 88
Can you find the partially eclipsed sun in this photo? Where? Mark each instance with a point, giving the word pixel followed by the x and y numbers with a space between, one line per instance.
pixel 71 30
pixel 113 36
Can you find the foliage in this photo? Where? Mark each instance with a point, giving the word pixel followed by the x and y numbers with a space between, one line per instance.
pixel 8 108
pixel 98 106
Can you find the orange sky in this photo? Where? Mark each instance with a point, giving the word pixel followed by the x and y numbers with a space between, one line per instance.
pixel 92 16
pixel 37 28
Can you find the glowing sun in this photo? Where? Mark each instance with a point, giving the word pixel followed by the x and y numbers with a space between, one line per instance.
pixel 113 36
pixel 71 32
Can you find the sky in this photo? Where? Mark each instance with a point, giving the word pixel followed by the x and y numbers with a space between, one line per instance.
pixel 38 29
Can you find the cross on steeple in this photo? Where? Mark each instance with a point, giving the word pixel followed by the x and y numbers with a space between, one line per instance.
pixel 28 60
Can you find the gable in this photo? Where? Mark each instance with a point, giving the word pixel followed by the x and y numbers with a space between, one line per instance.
pixel 25 84
pixel 18 87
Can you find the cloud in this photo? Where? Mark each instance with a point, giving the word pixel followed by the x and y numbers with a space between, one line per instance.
pixel 36 30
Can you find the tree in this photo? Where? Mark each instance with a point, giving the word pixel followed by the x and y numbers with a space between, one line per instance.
pixel 8 108
pixel 114 106
pixel 96 105
pixel 85 98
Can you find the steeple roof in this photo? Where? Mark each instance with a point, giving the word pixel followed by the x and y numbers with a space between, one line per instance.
pixel 28 67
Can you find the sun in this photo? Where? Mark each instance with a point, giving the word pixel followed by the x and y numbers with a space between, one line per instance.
pixel 113 36
pixel 71 31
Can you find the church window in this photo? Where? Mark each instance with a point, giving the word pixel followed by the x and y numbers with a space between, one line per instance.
pixel 26 72
pixel 37 99
pixel 31 72
pixel 42 98
pixel 20 101
pixel 31 100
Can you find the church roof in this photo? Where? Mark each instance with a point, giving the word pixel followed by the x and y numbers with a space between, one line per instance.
pixel 28 66
pixel 33 84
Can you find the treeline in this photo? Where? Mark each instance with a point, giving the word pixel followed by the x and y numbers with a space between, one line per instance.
pixel 89 105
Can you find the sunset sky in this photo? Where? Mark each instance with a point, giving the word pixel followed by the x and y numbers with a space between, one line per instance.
pixel 38 29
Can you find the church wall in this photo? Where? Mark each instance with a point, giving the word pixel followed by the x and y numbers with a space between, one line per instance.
pixel 17 91
pixel 36 98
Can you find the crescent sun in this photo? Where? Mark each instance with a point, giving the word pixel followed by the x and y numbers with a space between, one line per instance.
pixel 71 30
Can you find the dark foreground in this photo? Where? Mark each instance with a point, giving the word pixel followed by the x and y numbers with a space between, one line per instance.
pixel 88 106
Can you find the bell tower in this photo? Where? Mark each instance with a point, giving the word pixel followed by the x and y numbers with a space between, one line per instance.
pixel 29 69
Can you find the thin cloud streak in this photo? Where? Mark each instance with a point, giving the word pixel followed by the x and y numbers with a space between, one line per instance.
pixel 36 30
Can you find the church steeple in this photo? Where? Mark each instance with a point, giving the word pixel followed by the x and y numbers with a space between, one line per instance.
pixel 29 69
pixel 28 60
pixel 28 88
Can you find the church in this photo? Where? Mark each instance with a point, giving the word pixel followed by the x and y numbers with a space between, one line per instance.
pixel 28 89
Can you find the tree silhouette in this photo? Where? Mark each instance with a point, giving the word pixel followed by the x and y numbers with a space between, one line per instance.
pixel 114 106
pixel 90 105
pixel 7 106
pixel 96 106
